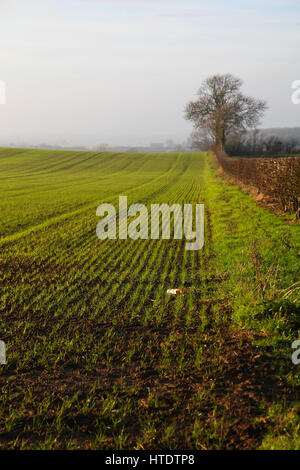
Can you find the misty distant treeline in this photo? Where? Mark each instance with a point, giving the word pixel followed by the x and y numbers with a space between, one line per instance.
pixel 263 143
pixel 259 142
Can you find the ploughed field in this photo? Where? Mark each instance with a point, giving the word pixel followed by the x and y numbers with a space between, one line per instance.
pixel 98 356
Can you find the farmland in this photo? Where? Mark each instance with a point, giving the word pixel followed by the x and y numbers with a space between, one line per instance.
pixel 98 357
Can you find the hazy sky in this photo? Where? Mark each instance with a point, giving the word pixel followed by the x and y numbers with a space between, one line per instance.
pixel 121 71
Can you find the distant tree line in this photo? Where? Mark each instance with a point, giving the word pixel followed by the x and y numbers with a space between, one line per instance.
pixel 255 143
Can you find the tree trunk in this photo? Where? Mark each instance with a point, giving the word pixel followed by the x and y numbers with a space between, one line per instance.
pixel 223 139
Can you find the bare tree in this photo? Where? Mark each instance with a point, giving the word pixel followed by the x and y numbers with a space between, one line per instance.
pixel 200 140
pixel 221 109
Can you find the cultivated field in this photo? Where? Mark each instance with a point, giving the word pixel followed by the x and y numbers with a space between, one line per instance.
pixel 98 356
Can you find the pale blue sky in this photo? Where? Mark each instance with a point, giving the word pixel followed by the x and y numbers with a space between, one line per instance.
pixel 121 71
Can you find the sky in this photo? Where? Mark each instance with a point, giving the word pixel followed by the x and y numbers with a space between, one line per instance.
pixel 121 71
